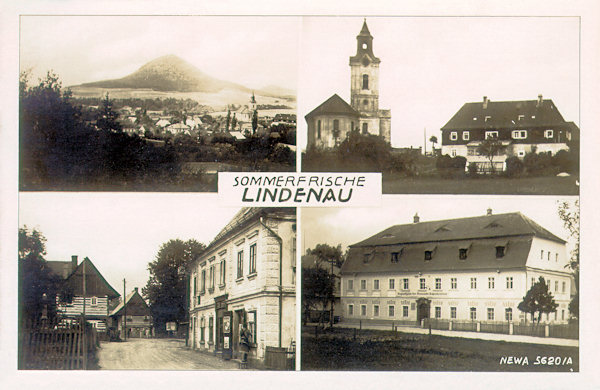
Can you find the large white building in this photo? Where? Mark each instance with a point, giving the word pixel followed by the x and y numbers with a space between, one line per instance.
pixel 246 275
pixel 476 269
pixel 521 126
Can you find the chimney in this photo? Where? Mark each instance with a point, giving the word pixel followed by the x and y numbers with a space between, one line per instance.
pixel 539 101
pixel 416 218
pixel 489 211
pixel 485 102
pixel 74 262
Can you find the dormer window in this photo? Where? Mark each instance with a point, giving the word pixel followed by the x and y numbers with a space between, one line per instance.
pixel 366 257
pixel 548 133
pixel 395 257
pixel 428 255
pixel 487 118
pixel 462 253
pixel 521 117
pixel 500 251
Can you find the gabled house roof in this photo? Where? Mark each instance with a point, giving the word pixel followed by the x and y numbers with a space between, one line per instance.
pixel 533 113
pixel 479 236
pixel 136 305
pixel 333 105
pixel 61 268
pixel 95 283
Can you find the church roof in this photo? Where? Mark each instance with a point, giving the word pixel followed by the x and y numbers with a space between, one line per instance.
pixel 365 30
pixel 506 114
pixel 333 105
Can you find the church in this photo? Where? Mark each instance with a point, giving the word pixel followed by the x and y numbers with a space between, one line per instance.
pixel 330 122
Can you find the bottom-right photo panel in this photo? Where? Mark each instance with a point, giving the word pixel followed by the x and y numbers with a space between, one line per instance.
pixel 442 283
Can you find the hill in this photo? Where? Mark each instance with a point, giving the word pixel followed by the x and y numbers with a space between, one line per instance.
pixel 169 74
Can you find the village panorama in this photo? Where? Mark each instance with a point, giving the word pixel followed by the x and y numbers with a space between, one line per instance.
pixel 166 127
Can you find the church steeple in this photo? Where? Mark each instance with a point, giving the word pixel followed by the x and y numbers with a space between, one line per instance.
pixel 364 46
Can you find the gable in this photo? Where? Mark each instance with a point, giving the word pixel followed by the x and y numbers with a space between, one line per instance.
pixel 95 284
pixel 335 105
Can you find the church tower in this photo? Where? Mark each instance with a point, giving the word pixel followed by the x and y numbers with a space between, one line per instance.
pixel 364 87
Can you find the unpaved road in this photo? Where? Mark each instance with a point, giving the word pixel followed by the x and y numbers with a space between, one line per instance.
pixel 157 354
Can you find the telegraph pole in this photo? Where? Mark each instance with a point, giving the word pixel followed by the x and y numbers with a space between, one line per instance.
pixel 124 311
pixel 84 339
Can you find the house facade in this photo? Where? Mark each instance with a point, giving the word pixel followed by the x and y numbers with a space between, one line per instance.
pixel 331 121
pixel 246 275
pixel 91 294
pixel 521 127
pixel 132 317
pixel 467 269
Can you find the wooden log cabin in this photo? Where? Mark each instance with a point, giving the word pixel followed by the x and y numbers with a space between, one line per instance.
pixel 97 299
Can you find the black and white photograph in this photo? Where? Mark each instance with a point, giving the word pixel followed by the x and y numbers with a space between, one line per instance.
pixel 486 285
pixel 444 105
pixel 173 285
pixel 154 103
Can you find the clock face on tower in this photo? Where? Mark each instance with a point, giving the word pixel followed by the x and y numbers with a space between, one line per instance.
pixel 365 61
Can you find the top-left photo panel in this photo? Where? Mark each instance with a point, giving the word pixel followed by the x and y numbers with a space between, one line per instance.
pixel 154 103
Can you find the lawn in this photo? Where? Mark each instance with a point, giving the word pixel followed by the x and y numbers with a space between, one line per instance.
pixel 546 185
pixel 374 350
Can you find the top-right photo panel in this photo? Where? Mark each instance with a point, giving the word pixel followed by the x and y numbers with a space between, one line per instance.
pixel 443 105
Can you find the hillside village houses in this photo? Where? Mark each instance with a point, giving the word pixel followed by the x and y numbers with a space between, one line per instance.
pixel 330 122
pixel 474 269
pixel 521 126
pixel 246 275
pixel 95 297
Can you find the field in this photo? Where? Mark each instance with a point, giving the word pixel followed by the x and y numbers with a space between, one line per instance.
pixel 374 350
pixel 547 185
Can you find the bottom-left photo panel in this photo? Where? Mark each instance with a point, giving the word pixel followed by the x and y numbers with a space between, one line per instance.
pixel 154 282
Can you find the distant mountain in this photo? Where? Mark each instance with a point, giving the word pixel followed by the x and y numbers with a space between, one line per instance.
pixel 169 74
pixel 275 90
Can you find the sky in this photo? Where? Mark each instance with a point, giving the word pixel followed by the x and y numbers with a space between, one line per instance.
pixel 431 66
pixel 347 226
pixel 253 51
pixel 120 232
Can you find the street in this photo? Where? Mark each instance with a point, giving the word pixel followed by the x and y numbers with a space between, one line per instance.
pixel 157 354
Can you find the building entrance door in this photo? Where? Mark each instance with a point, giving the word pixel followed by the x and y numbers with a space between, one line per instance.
pixel 423 307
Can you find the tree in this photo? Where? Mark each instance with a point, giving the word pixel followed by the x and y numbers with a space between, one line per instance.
pixel 38 287
pixel 433 139
pixel 107 118
pixel 228 120
pixel 317 290
pixel 328 256
pixel 490 147
pixel 166 288
pixel 538 299
pixel 233 122
pixel 254 121
pixel 569 214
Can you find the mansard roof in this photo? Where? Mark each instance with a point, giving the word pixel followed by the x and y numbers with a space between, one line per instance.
pixel 478 235
pixel 335 105
pixel 506 114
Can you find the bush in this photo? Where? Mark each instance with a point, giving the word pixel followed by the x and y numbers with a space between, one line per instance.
pixel 538 164
pixel 566 161
pixel 450 166
pixel 473 170
pixel 514 167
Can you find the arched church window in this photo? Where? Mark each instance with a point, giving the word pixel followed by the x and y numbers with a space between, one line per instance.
pixel 365 128
pixel 365 80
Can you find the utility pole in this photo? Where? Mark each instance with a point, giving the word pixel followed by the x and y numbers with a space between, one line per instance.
pixel 84 338
pixel 124 311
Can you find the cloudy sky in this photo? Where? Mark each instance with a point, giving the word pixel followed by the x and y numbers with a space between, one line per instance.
pixel 120 232
pixel 252 51
pixel 348 226
pixel 431 66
